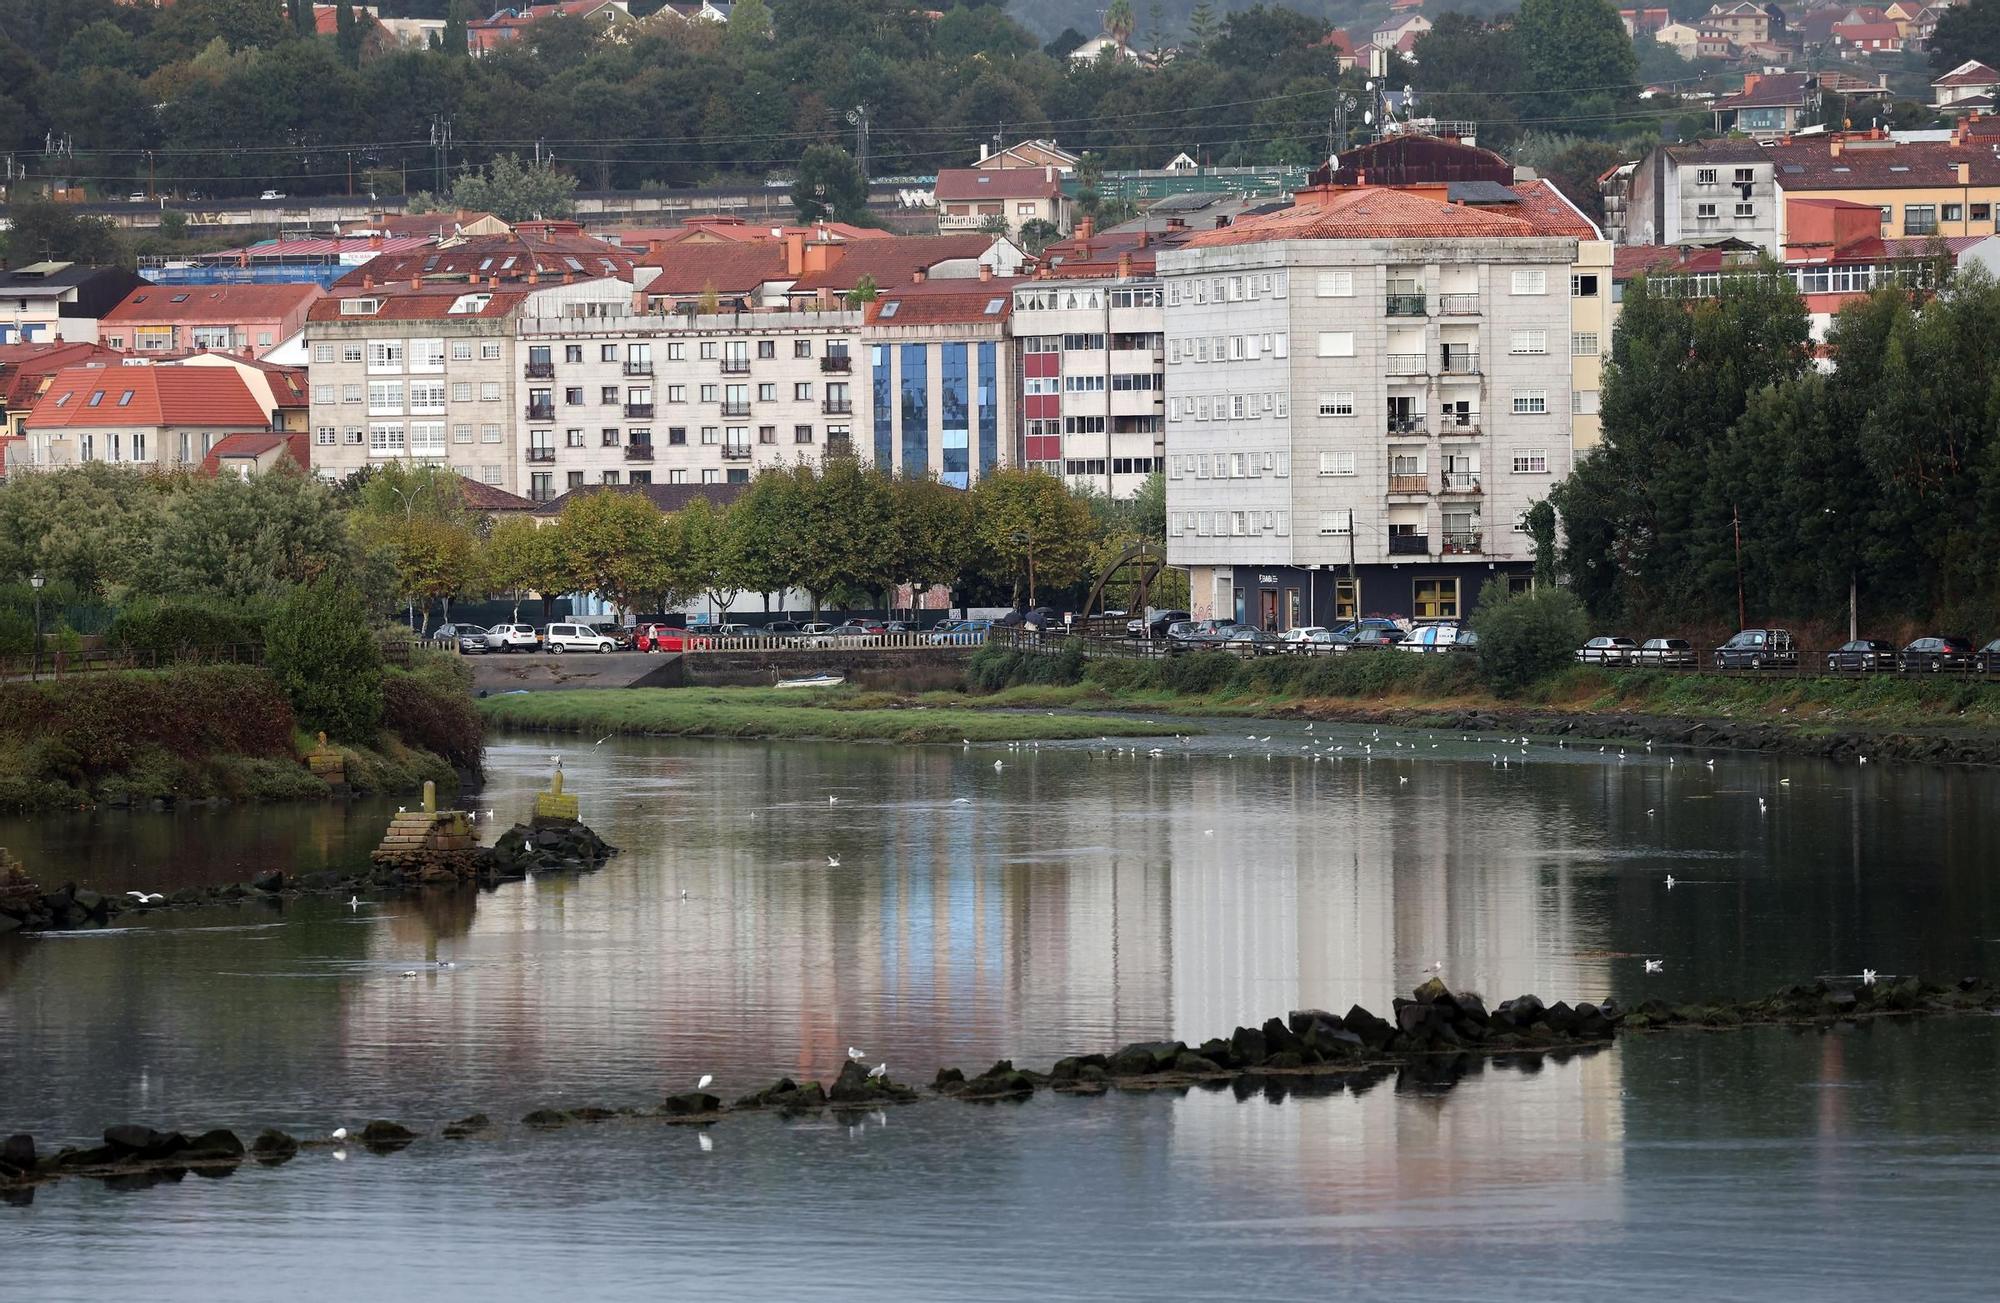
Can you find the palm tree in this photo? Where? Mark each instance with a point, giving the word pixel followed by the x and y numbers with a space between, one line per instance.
pixel 1119 21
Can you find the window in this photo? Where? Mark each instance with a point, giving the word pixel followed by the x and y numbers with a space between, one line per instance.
pixel 573 395
pixel 489 352
pixel 1334 285
pixel 802 434
pixel 1338 403
pixel 1704 176
pixel 1336 463
pixel 461 433
pixel 489 434
pixel 1582 287
pixel 321 352
pixel 1982 212
pixel 385 397
pixel 1530 402
pixel 572 352
pixel 1529 341
pixel 385 355
pixel 427 396
pixel 350 352
pixel 426 355
pixel 350 393
pixel 326 436
pixel 1704 212
pixel 607 352
pixel 461 350
pixel 1336 343
pixel 489 391
pixel 1744 176
pixel 385 439
pixel 1531 461
pixel 1531 282
pixel 1435 599
pixel 767 348
pixel 802 348
pixel 427 438
pixel 461 391
pixel 1337 522
pixel 1746 210
pixel 1919 219
pixel 1954 212
pixel 573 438
pixel 1583 402
pixel 1583 344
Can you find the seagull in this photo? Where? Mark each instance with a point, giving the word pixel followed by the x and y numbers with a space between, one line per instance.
pixel 444 963
pixel 833 800
pixel 707 1145
pixel 354 902
pixel 606 738
pixel 705 1079
pixel 963 800
pixel 1649 814
pixel 1711 764
pixel 1761 807
pixel 340 1133
pixel 1670 882
pixel 1436 968
pixel 997 764
pixel 1208 832
pixel 878 1071
pixel 855 1054
pixel 1403 779
pixel 1862 759
pixel 1784 782
pixel 1655 965
pixel 402 809
pixel 409 972
pixel 832 862
pixel 146 898
pixel 1868 977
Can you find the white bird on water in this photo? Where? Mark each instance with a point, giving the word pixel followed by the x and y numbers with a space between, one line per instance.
pixel 963 800
pixel 1670 882
pixel 684 893
pixel 402 809
pixel 1656 965
pixel 1711 764
pixel 833 800
pixel 409 972
pixel 707 1144
pixel 1436 969
pixel 354 902
pixel 1402 779
pixel 878 1071
pixel 340 1133
pixel 997 764
pixel 703 1083
pixel 606 738
pixel 1868 977
pixel 832 862
pixel 146 898
pixel 1761 807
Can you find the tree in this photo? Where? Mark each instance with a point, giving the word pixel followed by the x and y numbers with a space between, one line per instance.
pixel 1577 58
pixel 1120 22
pixel 303 24
pixel 347 34
pixel 245 539
pixel 521 557
pixel 864 291
pixel 46 231
pixel 1027 520
pixel 1037 233
pixel 1966 31
pixel 1525 636
pixel 828 184
pixel 319 645
pixel 77 527
pixel 416 515
pixel 456 40
pixel 514 191
pixel 933 534
pixel 1201 27
pixel 604 540
pixel 749 29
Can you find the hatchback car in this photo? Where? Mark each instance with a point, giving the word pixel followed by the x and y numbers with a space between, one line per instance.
pixel 1367 639
pixel 514 637
pixel 852 631
pixel 1247 641
pixel 472 639
pixel 1866 654
pixel 1936 654
pixel 1607 650
pixel 780 627
pixel 1299 635
pixel 578 637
pixel 667 638
pixel 1757 649
pixel 1989 658
pixel 1154 623
pixel 1665 653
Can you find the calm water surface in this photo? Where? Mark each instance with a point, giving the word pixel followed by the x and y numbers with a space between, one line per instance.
pixel 1076 898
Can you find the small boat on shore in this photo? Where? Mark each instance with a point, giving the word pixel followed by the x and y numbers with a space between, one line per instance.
pixel 814 681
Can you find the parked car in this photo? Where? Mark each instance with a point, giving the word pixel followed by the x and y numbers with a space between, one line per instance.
pixel 1369 637
pixel 1246 640
pixel 1301 634
pixel 136 197
pixel 778 628
pixel 1611 649
pixel 901 626
pixel 1666 653
pixel 272 194
pixel 1384 623
pixel 514 637
pixel 1863 654
pixel 577 637
pixel 1200 635
pixel 1440 638
pixel 813 627
pixel 667 638
pixel 1153 624
pixel 472 639
pixel 1989 658
pixel 1757 649
pixel 948 632
pixel 1937 653
pixel 621 640
pixel 723 629
pixel 839 633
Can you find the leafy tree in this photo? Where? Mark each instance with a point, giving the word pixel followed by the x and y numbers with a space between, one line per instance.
pixel 347 34
pixel 320 646
pixel 828 184
pixel 864 291
pixel 1525 636
pixel 42 230
pixel 1037 233
pixel 749 28
pixel 245 539
pixel 303 24
pixel 457 15
pixel 76 528
pixel 1065 44
pixel 932 534
pixel 1577 58
pixel 521 557
pixel 1201 27
pixel 1120 22
pixel 1967 31
pixel 514 191
pixel 417 516
pixel 708 552
pixel 605 541
pixel 1025 518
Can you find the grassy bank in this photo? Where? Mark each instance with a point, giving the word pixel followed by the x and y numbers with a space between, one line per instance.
pixel 840 714
pixel 1376 684
pixel 213 731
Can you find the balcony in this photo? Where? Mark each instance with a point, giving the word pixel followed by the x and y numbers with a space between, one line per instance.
pixel 1418 424
pixel 836 364
pixel 1409 545
pixel 638 452
pixel 1418 483
pixel 736 366
pixel 1458 305
pixel 736 452
pixel 1461 543
pixel 736 409
pixel 541 411
pixel 638 411
pixel 837 407
pixel 540 370
pixel 1455 428
pixel 1407 364
pixel 1407 305
pixel 1459 364
pixel 1460 482
pixel 638 368
pixel 542 456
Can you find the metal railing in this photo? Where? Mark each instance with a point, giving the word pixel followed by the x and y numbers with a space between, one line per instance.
pixel 1406 364
pixel 699 642
pixel 638 368
pixel 1451 425
pixel 1409 545
pixel 1460 482
pixel 542 455
pixel 736 366
pixel 736 452
pixel 735 409
pixel 52 663
pixel 541 411
pixel 639 411
pixel 1458 305
pixel 837 407
pixel 1407 305
pixel 1418 424
pixel 1459 364
pixel 1461 543
pixel 539 370
pixel 836 364
pixel 638 452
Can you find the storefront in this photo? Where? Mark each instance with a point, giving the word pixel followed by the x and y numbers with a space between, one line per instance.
pixel 1288 597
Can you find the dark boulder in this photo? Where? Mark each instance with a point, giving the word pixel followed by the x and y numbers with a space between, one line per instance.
pixel 18 1151
pixel 1412 1019
pixel 786 1095
pixel 548 1119
pixel 691 1102
pixel 467 1126
pixel 92 905
pixel 1373 1031
pixel 1285 1059
pixel 1196 1064
pixel 384 1136
pixel 1472 1009
pixel 273 1144
pixel 1001 1081
pixel 947 1078
pixel 271 880
pixel 1559 1017
pixel 131 1138
pixel 1841 1001
pixel 210 1145
pixel 855 1086
pixel 1279 1037
pixel 1138 1059
pixel 1219 1051
pixel 1302 1021
pixel 1432 991
pixel 1077 1067
pixel 1249 1046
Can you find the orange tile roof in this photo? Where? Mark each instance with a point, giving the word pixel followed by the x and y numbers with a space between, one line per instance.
pixel 481 496
pixel 222 304
pixel 25 367
pixel 256 445
pixel 959 184
pixel 159 396
pixel 1551 211
pixel 733 268
pixel 892 261
pixel 548 249
pixel 1369 213
pixel 946 302
pixel 401 303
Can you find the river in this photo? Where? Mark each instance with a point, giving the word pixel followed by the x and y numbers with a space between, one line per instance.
pixel 1076 897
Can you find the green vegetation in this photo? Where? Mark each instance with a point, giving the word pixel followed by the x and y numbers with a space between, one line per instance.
pixel 509 189
pixel 327 660
pixel 840 714
pixel 1525 637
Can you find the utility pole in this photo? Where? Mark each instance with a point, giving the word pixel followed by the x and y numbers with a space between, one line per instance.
pixel 1736 523
pixel 857 117
pixel 441 142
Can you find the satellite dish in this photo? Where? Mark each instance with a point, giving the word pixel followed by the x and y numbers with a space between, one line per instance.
pixel 1332 163
pixel 1368 118
pixel 1371 85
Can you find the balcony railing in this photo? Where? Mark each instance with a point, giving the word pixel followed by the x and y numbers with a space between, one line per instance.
pixel 736 452
pixel 1409 545
pixel 1418 424
pixel 541 455
pixel 1458 305
pixel 1461 482
pixel 736 366
pixel 1418 483
pixel 1461 542
pixel 736 409
pixel 638 368
pixel 837 407
pixel 1460 364
pixel 540 370
pixel 1406 364
pixel 1407 305
pixel 836 363
pixel 639 411
pixel 1452 426
pixel 638 452
pixel 541 411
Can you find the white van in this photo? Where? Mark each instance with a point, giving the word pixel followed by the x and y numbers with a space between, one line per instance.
pixel 1440 638
pixel 577 637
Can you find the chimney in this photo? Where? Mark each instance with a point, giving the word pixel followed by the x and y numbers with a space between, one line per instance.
pixel 795 253
pixel 917 276
pixel 1145 239
pixel 1833 147
pixel 983 151
pixel 1221 220
pixel 534 274
pixel 367 281
pixel 375 240
pixel 1965 173
pixel 416 282
pixel 638 302
pixel 1086 228
pixel 986 269
pixel 1049 174
pixel 1124 266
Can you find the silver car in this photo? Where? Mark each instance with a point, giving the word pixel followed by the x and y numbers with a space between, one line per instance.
pixel 473 638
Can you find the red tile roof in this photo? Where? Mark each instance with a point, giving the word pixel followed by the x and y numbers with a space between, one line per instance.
pixel 1970 73
pixel 481 496
pixel 25 367
pixel 257 445
pixel 1370 212
pixel 970 184
pixel 1858 32
pixel 1550 210
pixel 221 304
pixel 160 396
pixel 892 261
pixel 547 249
pixel 725 268
pixel 401 303
pixel 946 302
pixel 1770 90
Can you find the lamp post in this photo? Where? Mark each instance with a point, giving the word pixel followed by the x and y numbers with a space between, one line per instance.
pixel 36 581
pixel 1023 536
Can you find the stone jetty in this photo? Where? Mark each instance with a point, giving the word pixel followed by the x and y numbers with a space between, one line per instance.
pixel 1433 1037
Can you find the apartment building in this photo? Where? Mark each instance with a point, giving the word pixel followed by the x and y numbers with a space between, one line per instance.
pixel 941 379
pixel 1001 200
pixel 657 399
pixel 248 319
pixel 165 417
pixel 59 302
pixel 1365 393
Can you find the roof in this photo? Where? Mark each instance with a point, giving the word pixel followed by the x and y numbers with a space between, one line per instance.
pixel 1771 90
pixel 481 496
pixel 732 268
pixel 552 249
pixel 946 302
pixel 160 396
pixel 1372 212
pixel 399 302
pixel 1416 159
pixel 318 248
pixel 434 226
pixel 47 277
pixel 218 303
pixel 959 184
pixel 1550 210
pixel 232 446
pixel 893 261
pixel 1863 163
pixel 25 367
pixel 1970 73
pixel 667 497
pixel 1868 32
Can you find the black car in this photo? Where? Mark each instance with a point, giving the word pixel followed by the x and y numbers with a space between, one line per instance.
pixel 1866 654
pixel 1154 624
pixel 1756 649
pixel 1937 653
pixel 1989 658
pixel 1245 640
pixel 781 627
pixel 1369 637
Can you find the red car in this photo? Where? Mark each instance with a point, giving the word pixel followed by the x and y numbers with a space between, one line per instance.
pixel 666 638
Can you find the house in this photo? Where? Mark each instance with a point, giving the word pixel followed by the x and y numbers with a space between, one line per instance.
pixel 249 455
pixel 26 369
pixel 1029 154
pixel 484 35
pixel 1713 41
pixel 1342 44
pixel 282 391
pixel 1682 38
pixel 47 302
pixel 250 319
pixel 904 260
pixel 940 373
pixel 1869 38
pixel 1000 200
pixel 1745 23
pixel 164 417
pixel 1098 47
pixel 527 253
pixel 1644 20
pixel 1770 104
pixel 1415 159
pixel 1969 81
pixel 1400 33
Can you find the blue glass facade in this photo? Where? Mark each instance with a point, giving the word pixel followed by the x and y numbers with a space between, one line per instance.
pixel 955 409
pixel 989 408
pixel 916 410
pixel 885 414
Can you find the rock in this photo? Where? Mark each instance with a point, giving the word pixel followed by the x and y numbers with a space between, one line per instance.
pixel 18 1151
pixel 213 1145
pixel 1248 1045
pixel 271 880
pixel 92 905
pixel 1077 1067
pixel 947 1078
pixel 274 1145
pixel 598 1114
pixel 546 1118
pixel 466 1126
pixel 1521 1011
pixel 1190 1062
pixel 1559 1017
pixel 1218 1051
pixel 131 1138
pixel 1373 1031
pixel 1841 1001
pixel 1138 1059
pixel 855 1086
pixel 691 1102
pixel 1285 1059
pixel 1431 991
pixel 1280 1038
pixel 1411 1019
pixel 1001 1081
pixel 385 1135
pixel 1302 1021
pixel 1472 1009
pixel 787 1096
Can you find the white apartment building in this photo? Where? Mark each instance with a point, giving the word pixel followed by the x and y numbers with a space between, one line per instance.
pixel 658 399
pixel 1365 393
pixel 1093 376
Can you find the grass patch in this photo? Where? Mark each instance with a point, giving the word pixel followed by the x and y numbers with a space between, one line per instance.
pixel 835 714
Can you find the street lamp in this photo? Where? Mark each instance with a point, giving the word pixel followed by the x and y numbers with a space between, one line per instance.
pixel 36 581
pixel 1023 536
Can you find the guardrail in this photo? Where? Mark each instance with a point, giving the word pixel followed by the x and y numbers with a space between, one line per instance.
pixel 53 664
pixel 699 643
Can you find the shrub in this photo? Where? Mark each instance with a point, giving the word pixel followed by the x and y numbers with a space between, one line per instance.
pixel 1524 636
pixel 992 668
pixel 324 654
pixel 1123 675
pixel 17 633
pixel 1198 672
pixel 182 626
pixel 102 722
pixel 431 708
